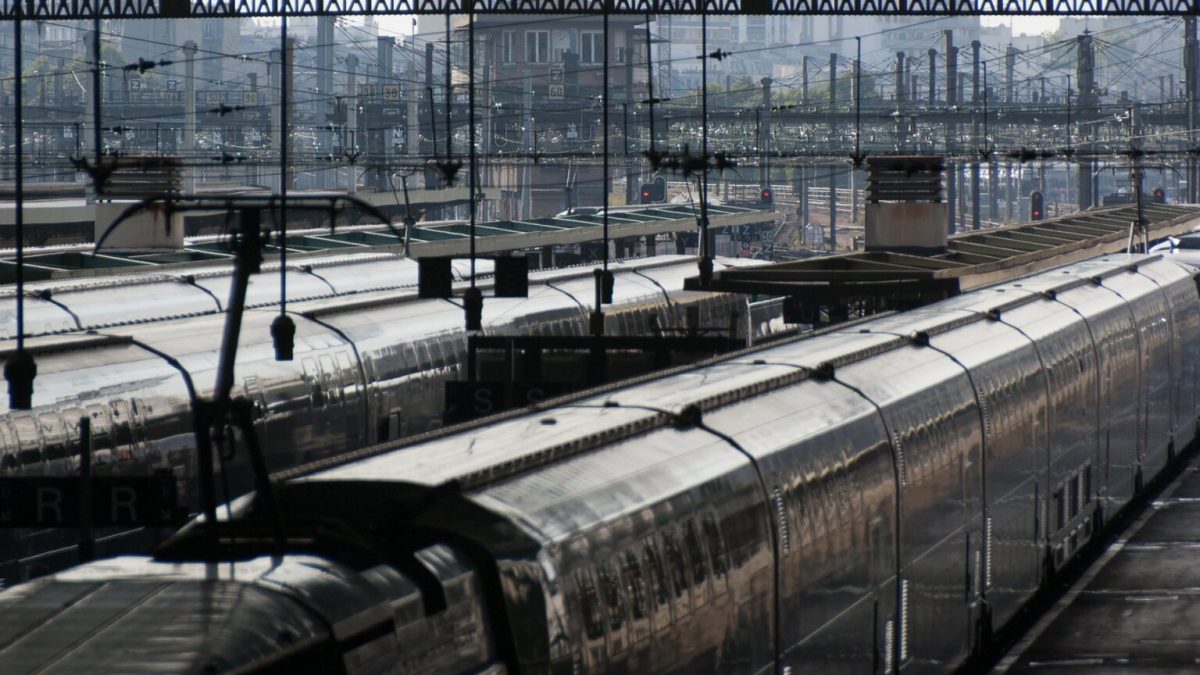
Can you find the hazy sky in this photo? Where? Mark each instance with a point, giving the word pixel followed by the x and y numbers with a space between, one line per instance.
pixel 1029 25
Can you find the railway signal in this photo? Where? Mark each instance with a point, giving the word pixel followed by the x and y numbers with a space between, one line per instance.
pixel 1036 210
pixel 1160 196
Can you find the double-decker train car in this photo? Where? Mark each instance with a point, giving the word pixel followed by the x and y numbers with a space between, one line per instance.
pixel 95 303
pixel 881 497
pixel 368 367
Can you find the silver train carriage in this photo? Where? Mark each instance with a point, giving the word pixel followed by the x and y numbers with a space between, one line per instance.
pixel 385 351
pixel 367 369
pixel 93 303
pixel 878 498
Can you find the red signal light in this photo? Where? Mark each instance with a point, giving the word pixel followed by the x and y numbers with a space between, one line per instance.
pixel 1036 200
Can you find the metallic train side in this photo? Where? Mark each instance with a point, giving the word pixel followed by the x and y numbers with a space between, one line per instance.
pixel 879 498
pixel 367 369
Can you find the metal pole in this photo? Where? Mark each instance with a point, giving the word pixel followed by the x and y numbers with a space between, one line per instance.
pixel 19 127
pixel 706 265
pixel 975 219
pixel 285 72
pixel 87 545
pixel 449 135
pixel 20 368
pixel 189 113
pixel 470 121
pixel 857 100
pixel 96 94
pixel 604 133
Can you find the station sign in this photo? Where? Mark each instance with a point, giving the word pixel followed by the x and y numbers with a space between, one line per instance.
pixel 56 501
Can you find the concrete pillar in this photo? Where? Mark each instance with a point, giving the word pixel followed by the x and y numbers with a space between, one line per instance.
pixel 993 193
pixel 976 83
pixel 385 49
pixel 951 68
pixel 832 81
pixel 803 196
pixel 189 116
pixel 287 74
pixel 527 144
pixel 1009 193
pixel 932 77
pixel 764 146
pixel 274 77
pixel 833 200
pixel 325 101
pixel 951 177
pixel 804 81
pixel 1191 64
pixel 1088 100
pixel 350 134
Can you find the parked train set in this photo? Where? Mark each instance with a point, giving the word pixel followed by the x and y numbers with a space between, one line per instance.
pixel 881 497
pixel 97 302
pixel 369 366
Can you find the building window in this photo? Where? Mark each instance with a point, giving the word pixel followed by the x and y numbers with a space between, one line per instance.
pixel 591 47
pixel 507 38
pixel 537 46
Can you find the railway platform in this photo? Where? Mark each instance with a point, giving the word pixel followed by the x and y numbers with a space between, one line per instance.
pixel 1136 609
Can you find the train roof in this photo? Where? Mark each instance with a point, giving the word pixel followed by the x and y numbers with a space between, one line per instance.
pixel 474 455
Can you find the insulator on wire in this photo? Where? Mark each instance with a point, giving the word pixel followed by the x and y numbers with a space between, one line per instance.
pixel 19 370
pixel 283 333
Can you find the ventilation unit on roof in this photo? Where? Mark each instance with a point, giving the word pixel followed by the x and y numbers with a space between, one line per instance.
pixel 905 212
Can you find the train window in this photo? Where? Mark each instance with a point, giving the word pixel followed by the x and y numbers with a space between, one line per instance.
pixel 659 589
pixel 716 547
pixel 313 374
pixel 122 434
pixel 71 417
pixel 54 435
pixel 137 421
pixel 635 587
pixel 409 359
pixel 1060 509
pixel 1074 502
pixel 369 369
pixel 610 589
pixel 424 360
pixel 639 597
pixel 441 351
pixel 589 606
pixel 346 372
pixel 8 448
pixel 695 553
pixel 27 439
pixel 329 374
pixel 677 567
